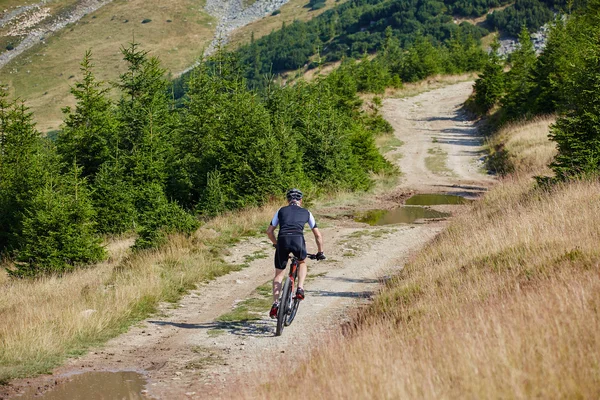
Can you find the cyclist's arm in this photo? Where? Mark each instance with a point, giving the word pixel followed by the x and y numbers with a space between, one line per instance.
pixel 271 228
pixel 312 224
pixel 318 239
pixel 271 234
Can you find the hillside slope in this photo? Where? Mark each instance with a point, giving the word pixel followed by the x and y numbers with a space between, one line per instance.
pixel 48 41
pixel 43 74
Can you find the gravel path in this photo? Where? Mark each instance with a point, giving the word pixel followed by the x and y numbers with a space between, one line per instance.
pixel 433 123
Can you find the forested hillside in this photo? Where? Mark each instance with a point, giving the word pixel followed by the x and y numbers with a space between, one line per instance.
pixel 139 164
pixel 357 27
pixel 564 79
pixel 353 29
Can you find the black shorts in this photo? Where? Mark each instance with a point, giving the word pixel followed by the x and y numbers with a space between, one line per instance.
pixel 287 244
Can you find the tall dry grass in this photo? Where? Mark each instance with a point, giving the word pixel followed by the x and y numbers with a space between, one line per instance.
pixel 44 320
pixel 526 143
pixel 503 304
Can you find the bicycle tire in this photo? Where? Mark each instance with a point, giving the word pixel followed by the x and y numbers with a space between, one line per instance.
pixel 292 313
pixel 284 304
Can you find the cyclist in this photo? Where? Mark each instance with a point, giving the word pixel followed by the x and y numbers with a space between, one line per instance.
pixel 291 220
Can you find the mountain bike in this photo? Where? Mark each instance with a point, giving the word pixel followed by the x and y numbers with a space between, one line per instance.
pixel 288 303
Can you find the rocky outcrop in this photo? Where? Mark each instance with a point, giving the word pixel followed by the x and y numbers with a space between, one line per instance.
pixel 538 38
pixel 233 14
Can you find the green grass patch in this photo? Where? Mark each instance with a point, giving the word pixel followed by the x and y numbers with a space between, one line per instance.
pixel 247 310
pixel 388 143
pixel 265 289
pixel 374 233
pixel 257 255
pixel 437 162
pixel 215 332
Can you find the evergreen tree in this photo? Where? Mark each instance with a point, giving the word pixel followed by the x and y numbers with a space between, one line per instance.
pixel 553 69
pixel 226 130
pixel 144 113
pixel 89 132
pixel 518 82
pixel 490 84
pixel 58 228
pixel 577 131
pixel 114 200
pixel 22 168
pixel 159 217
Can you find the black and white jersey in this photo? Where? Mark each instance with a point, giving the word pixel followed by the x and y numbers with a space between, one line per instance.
pixel 291 220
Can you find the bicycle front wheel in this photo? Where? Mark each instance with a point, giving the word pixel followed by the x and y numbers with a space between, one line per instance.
pixel 284 306
pixel 292 312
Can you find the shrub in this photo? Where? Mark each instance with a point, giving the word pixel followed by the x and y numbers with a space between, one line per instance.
pixel 10 47
pixel 276 12
pixel 58 230
pixel 147 20
pixel 318 5
pixel 160 217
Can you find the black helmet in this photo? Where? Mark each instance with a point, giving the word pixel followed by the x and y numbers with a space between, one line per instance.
pixel 293 195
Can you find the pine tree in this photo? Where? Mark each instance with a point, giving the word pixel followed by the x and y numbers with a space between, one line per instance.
pixel 89 132
pixel 519 82
pixel 58 232
pixel 114 200
pixel 144 113
pixel 577 131
pixel 22 168
pixel 490 84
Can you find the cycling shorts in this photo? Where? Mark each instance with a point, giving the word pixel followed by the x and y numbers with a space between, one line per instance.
pixel 287 244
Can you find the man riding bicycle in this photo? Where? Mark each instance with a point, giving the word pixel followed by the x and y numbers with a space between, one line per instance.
pixel 291 220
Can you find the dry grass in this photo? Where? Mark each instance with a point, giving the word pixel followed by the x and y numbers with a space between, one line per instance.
pixel 431 83
pixel 503 304
pixel 43 74
pixel 527 144
pixel 44 320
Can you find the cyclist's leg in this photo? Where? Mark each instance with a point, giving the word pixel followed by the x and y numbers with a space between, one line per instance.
pixel 300 253
pixel 302 272
pixel 281 257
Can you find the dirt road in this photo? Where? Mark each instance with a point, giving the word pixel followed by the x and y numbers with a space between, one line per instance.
pixel 187 353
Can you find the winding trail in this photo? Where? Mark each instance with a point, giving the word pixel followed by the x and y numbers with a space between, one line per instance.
pixel 434 121
pixel 186 353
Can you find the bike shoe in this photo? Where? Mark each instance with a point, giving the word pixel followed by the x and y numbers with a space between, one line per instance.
pixel 300 294
pixel 274 309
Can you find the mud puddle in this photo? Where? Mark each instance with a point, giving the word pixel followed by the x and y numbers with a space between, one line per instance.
pixel 431 199
pixel 124 385
pixel 406 215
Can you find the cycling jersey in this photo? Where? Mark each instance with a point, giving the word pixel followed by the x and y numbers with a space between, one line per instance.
pixel 291 220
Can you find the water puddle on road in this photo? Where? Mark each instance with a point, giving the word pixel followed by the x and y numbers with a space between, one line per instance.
pixel 406 215
pixel 125 385
pixel 435 199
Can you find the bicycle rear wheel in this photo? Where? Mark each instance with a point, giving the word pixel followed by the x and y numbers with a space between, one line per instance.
pixel 284 306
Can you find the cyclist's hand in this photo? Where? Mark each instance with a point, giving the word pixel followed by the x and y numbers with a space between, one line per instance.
pixel 320 256
pixel 274 245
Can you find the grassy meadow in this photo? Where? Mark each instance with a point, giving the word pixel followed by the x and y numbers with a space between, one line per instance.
pixel 502 304
pixel 178 32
